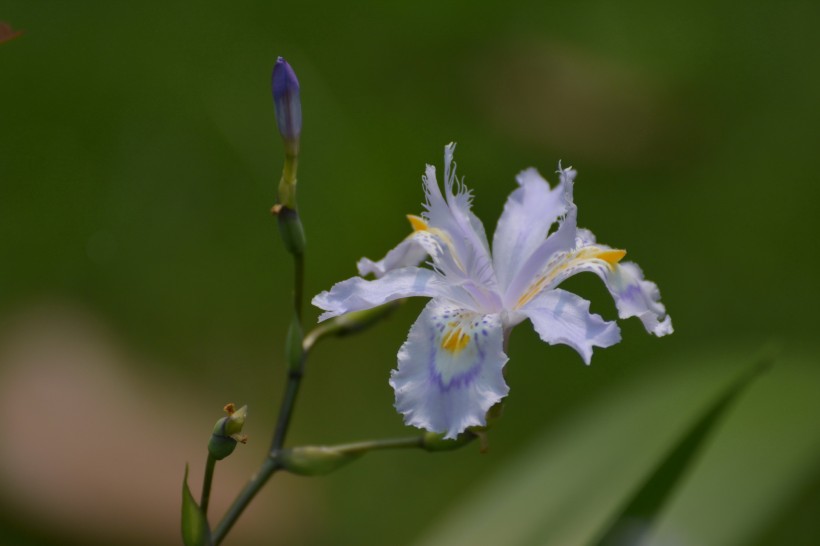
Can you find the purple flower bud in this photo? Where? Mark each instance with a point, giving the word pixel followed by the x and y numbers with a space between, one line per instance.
pixel 286 100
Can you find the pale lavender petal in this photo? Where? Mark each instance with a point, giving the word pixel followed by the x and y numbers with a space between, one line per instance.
pixel 636 297
pixel 529 213
pixel 541 262
pixel 561 240
pixel 450 219
pixel 407 253
pixel 562 317
pixel 584 237
pixel 450 369
pixel 357 294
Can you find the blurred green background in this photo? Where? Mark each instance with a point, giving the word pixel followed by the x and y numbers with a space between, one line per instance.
pixel 143 283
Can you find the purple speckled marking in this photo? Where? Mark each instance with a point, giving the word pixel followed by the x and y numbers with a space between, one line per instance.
pixel 458 381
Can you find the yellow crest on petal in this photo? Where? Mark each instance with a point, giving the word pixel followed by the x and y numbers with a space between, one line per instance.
pixel 417 223
pixel 455 340
pixel 572 260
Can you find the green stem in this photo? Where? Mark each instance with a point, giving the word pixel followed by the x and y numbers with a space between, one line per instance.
pixel 272 464
pixel 295 367
pixel 321 460
pixel 269 466
pixel 286 410
pixel 298 284
pixel 206 484
pixel 373 445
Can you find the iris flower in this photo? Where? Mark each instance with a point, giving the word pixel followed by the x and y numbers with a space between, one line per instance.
pixel 450 368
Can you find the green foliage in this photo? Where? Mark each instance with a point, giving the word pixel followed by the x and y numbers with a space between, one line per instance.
pixel 639 514
pixel 195 530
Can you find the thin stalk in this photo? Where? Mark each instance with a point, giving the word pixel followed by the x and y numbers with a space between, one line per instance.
pixel 373 445
pixel 206 484
pixel 286 410
pixel 295 373
pixel 272 464
pixel 269 466
pixel 298 284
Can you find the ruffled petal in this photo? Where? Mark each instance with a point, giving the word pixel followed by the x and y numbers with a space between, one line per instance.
pixel 450 369
pixel 448 218
pixel 525 222
pixel 636 297
pixel 357 294
pixel 562 317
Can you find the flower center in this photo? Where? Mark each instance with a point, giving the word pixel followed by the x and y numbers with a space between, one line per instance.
pixel 455 340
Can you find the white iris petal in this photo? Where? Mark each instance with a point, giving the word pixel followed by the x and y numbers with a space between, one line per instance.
pixel 530 211
pixel 562 317
pixel 407 253
pixel 450 368
pixel 357 294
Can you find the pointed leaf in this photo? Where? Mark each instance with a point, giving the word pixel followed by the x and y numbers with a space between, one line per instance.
pixel 195 530
pixel 640 512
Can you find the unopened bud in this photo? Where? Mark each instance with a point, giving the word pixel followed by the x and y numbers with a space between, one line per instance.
pixel 315 460
pixel 355 321
pixel 288 104
pixel 236 421
pixel 290 225
pixel 227 432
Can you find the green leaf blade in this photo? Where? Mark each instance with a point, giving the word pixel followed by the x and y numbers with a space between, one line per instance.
pixel 648 502
pixel 195 529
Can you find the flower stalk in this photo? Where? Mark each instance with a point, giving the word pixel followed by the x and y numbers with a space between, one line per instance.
pixel 205 498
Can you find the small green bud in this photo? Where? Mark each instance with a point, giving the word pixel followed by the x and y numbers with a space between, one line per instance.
pixel 315 460
pixel 349 323
pixel 290 228
pixel 227 431
pixel 221 446
pixel 355 321
pixel 433 441
pixel 236 421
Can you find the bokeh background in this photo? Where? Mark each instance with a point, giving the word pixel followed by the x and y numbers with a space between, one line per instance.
pixel 143 284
